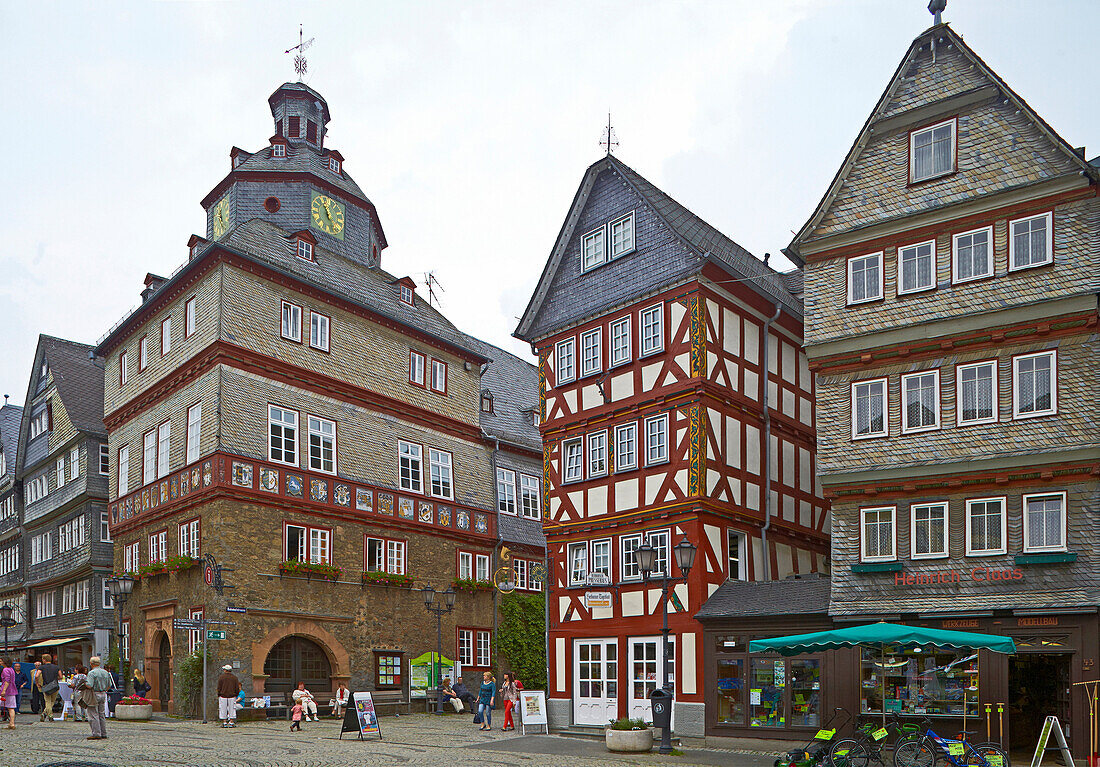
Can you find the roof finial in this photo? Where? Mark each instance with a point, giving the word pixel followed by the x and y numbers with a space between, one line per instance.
pixel 936 7
pixel 610 140
pixel 299 59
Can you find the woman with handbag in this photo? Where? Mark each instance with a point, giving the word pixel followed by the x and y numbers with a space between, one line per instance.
pixel 141 686
pixel 486 699
pixel 509 693
pixel 8 690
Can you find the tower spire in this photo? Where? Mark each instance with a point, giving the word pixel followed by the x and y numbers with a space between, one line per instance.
pixel 609 140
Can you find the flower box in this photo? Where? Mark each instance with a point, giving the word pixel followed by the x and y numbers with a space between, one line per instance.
pixel 632 741
pixel 471 586
pixel 387 579
pixel 134 709
pixel 310 570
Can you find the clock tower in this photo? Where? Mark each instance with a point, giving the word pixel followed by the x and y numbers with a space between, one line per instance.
pixel 297 183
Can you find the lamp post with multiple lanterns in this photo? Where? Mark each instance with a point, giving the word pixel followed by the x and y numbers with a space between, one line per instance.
pixel 439 610
pixel 646 556
pixel 121 587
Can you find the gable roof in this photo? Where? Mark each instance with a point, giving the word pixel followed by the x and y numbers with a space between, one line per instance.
pixel 79 382
pixel 705 243
pixel 795 595
pixel 882 111
pixel 516 529
pixel 514 384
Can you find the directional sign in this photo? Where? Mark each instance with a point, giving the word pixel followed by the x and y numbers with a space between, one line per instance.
pixel 232 609
pixel 215 635
pixel 221 623
pixel 186 624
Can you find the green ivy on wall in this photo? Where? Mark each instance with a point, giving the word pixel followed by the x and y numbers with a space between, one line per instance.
pixel 521 637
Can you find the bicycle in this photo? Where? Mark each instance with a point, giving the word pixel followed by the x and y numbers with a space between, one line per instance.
pixel 817 750
pixel 931 748
pixel 868 740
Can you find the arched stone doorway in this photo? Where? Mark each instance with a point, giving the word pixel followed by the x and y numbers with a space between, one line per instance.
pixel 158 671
pixel 297 659
pixel 337 657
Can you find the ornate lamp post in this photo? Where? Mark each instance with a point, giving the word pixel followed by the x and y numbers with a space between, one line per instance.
pixel 440 610
pixel 646 555
pixel 6 620
pixel 121 587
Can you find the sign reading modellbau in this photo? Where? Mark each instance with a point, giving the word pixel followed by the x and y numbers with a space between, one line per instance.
pixel 979 575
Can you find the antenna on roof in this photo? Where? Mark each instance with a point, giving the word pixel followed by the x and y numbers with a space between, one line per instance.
pixel 936 7
pixel 610 140
pixel 432 283
pixel 299 59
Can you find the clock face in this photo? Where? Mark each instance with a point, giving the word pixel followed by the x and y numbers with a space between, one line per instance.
pixel 221 217
pixel 327 215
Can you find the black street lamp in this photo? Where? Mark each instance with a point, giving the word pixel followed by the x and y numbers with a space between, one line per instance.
pixel 6 620
pixel 439 610
pixel 121 587
pixel 646 556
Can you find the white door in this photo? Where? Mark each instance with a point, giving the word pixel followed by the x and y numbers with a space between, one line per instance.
pixel 645 672
pixel 595 681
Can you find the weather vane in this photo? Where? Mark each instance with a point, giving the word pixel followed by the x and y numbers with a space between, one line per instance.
pixel 609 140
pixel 936 7
pixel 299 58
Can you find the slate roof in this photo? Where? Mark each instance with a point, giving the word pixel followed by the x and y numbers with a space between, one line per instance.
pixel 792 280
pixel 514 384
pixel 10 416
pixel 79 382
pixel 521 530
pixel 795 595
pixel 301 157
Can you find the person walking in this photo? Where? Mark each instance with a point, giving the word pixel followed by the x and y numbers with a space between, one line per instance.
pixel 9 690
pixel 80 678
pixel 509 693
pixel 141 686
pixel 228 687
pixel 36 689
pixel 22 683
pixel 485 700
pixel 296 717
pixel 98 682
pixel 48 683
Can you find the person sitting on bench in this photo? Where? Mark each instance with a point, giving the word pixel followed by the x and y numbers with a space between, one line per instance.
pixel 450 696
pixel 305 697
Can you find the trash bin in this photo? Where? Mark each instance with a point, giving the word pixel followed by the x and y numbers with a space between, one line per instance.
pixel 660 701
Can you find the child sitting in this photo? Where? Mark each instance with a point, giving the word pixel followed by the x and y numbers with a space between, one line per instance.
pixel 296 717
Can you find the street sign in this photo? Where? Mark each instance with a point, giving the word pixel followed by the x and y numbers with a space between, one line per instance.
pixel 597 599
pixel 232 609
pixel 598 579
pixel 208 575
pixel 221 623
pixel 215 635
pixel 186 624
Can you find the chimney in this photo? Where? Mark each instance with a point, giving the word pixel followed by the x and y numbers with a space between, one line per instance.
pixel 152 285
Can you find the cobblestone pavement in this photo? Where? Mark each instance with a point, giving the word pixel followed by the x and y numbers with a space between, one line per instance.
pixel 408 740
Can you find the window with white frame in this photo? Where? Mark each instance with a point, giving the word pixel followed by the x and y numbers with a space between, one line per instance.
pixel 1034 390
pixel 74 596
pixel 42 547
pixel 278 150
pixel 973 255
pixel 194 431
pixel 291 328
pixel 385 556
pixel 104 527
pixel 1030 242
pixel 736 557
pixel 628 562
pixel 104 459
pixel 164 438
pixel 407 295
pixel 591 352
pixel 44 605
pixel 318 331
pixel 305 250
pixel 61 471
pixel 165 336
pixel 439 471
pixel 189 317
pixel 651 328
pixel 986 526
pixel 564 356
pixel 308 544
pixel 976 385
pixel 656 439
pixel 481 567
pixel 572 460
pixel 74 463
pixel 597 454
pixel 194 636
pixel 578 564
pixel 123 368
pixel 869 415
pixel 601 557
pixel 593 252
pixel 928 530
pixel 107 600
pixel 865 280
pixel 37 488
pixel 416 368
pixel 932 151
pixel 466 647
pixel 143 353
pixel 39 422
pixel 68 598
pixel 7 507
pixel 484 649
pixel 334 165
pixel 282 425
pixel 410 466
pixel 506 491
pixel 322 444
pixel 917 267
pixel 877 536
pixel 920 399
pixel 659 540
pixel 626 446
pixel 125 626
pixel 465 566
pixel 158 546
pixel 618 333
pixel 1045 522
pixel 534 583
pixel 131 560
pixel 123 470
pixel 395 557
pixel 439 376
pixel 622 235
pixel 9 562
pixel 71 535
pixel 520 566
pixel 530 496
pixel 189 539
pixel 375 555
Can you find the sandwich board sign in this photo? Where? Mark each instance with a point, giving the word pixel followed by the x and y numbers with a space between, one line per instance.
pixel 1051 725
pixel 361 717
pixel 532 706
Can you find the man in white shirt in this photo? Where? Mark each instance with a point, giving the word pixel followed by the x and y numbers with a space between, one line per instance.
pixel 305 697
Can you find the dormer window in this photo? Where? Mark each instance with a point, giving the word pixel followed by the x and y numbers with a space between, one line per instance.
pixel 334 165
pixel 486 401
pixel 305 250
pixel 278 150
pixel 932 151
pixel 406 295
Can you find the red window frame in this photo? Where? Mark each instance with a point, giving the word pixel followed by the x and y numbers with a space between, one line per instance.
pixel 163 548
pixel 194 636
pixel 431 378
pixel 423 383
pixel 179 534
pixel 328 339
pixel 308 528
pixel 367 537
pixel 475 633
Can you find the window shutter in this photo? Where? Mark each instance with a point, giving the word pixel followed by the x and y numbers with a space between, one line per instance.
pixel 49 416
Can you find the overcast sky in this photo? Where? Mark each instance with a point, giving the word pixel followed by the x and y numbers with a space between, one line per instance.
pixel 468 124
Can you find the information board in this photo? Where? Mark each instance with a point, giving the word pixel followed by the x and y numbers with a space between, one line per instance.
pixel 532 707
pixel 361 717
pixel 422 673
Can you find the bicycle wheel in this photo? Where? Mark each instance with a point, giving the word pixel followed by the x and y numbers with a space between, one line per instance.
pixel 848 753
pixel 986 755
pixel 915 753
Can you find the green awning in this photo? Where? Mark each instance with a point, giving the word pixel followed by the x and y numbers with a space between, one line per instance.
pixel 879 635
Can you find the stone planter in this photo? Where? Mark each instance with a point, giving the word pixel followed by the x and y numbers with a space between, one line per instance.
pixel 139 713
pixel 629 741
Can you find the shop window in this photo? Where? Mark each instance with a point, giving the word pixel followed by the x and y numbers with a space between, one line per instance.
pixel 805 693
pixel 920 682
pixel 767 680
pixel 731 693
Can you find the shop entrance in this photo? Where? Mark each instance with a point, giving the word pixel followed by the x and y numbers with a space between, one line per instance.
pixel 1038 687
pixel 164 672
pixel 645 673
pixel 596 675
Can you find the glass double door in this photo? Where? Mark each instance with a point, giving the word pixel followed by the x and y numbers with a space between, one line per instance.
pixel 596 680
pixel 645 674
